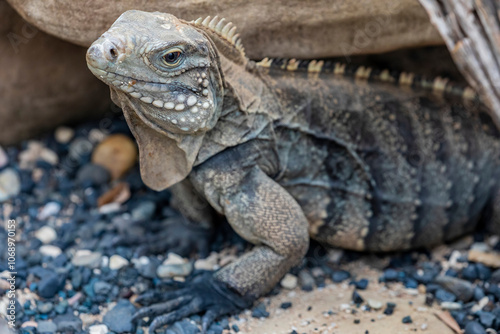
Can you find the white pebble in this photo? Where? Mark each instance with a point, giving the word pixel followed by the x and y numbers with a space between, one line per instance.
pixel 173 258
pixel 46 234
pixel 64 134
pixel 116 262
pixel 289 281
pixel 10 184
pixel 98 329
pixel 50 250
pixel 50 209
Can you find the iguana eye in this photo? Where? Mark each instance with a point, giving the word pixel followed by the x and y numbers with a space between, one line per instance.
pixel 172 57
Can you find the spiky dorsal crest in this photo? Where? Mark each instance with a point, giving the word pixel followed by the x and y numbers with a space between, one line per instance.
pixel 226 31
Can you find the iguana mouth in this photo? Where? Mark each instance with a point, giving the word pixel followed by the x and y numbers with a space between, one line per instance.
pixel 138 89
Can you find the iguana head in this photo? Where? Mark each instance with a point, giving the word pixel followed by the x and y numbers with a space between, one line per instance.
pixel 165 74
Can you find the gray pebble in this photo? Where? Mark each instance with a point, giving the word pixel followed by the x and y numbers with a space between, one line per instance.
pixel 172 270
pixel 93 174
pixel 84 258
pixel 46 327
pixel 68 323
pixel 119 319
pixel 462 289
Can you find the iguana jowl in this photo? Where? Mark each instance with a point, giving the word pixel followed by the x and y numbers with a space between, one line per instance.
pixel 289 149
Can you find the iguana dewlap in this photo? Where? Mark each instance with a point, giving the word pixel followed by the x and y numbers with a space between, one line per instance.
pixel 290 149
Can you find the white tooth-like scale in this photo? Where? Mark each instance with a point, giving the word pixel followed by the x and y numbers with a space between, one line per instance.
pixel 136 95
pixel 205 92
pixel 158 103
pixel 205 105
pixel 181 98
pixel 191 101
pixel 146 99
pixel 169 105
pixel 194 109
pixel 179 107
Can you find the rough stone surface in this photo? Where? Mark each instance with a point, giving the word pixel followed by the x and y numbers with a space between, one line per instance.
pixel 317 29
pixel 35 97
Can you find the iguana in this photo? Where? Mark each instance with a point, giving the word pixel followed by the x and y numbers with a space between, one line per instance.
pixel 287 150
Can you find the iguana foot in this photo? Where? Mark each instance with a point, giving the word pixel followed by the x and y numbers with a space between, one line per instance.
pixel 177 235
pixel 202 294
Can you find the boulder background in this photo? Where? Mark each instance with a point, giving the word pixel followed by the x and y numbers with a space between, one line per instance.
pixel 44 81
pixel 268 28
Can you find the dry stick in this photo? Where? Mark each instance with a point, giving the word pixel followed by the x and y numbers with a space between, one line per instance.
pixel 471 31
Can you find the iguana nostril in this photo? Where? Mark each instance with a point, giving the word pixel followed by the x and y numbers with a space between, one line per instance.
pixel 113 53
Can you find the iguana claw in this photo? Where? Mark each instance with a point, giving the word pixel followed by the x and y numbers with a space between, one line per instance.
pixel 202 294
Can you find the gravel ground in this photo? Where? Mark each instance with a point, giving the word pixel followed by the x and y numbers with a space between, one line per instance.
pixel 84 226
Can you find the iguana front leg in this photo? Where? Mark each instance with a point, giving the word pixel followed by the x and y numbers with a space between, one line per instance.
pixel 262 212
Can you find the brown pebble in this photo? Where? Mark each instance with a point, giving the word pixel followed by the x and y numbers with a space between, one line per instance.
pixel 117 153
pixel 490 259
pixel 120 193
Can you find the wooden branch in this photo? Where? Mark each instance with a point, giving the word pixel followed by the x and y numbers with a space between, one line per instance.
pixel 471 31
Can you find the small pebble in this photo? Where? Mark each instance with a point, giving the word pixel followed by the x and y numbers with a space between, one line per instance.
pixel 92 174
pixel 491 259
pixel 119 318
pixel 64 134
pixel 46 234
pixel 375 304
pixel 462 289
pixel 172 270
pixel 46 327
pixel 407 320
pixel 390 308
pixel 286 305
pixel 474 327
pixel 356 297
pixel 289 281
pixel 451 306
pixel 116 262
pixel 209 263
pixel 306 280
pixel 339 276
pixel 117 153
pixel 4 159
pixel 68 323
pixel 50 250
pixel 362 284
pixel 98 329
pixel 486 318
pixel 260 311
pixel 10 184
pixel 86 258
pixel 173 258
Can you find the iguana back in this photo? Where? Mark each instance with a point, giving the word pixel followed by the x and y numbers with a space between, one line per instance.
pixel 382 166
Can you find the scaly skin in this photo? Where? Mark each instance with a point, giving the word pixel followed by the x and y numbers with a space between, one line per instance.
pixel 287 150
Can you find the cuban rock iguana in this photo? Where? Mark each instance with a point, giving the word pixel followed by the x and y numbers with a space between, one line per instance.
pixel 288 150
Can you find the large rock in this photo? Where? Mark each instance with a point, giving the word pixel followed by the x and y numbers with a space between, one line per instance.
pixel 269 28
pixel 43 82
